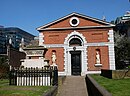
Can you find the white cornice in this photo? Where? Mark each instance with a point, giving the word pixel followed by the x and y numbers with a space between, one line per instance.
pixel 74 28
pixel 86 45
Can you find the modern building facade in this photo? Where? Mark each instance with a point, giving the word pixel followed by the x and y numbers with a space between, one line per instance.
pixel 123 24
pixel 14 36
pixel 82 44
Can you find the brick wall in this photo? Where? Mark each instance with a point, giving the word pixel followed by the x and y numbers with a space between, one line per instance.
pixel 92 35
pixel 15 56
pixel 92 58
pixel 59 56
pixel 83 22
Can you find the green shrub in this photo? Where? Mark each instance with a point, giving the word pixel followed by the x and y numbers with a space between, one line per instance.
pixel 4 68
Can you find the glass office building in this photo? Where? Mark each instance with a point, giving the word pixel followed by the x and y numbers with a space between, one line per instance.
pixel 14 36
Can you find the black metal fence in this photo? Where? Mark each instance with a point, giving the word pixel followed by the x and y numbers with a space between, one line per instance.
pixel 34 76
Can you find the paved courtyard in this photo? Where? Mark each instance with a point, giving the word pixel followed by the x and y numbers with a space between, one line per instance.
pixel 73 86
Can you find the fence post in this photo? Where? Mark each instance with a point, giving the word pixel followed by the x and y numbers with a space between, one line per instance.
pixel 55 76
pixel 10 76
pixel 15 76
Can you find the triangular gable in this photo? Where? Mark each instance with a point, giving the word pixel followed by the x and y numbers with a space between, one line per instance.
pixel 78 15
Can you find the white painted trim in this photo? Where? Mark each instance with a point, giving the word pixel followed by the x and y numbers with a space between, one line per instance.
pixel 111 57
pixel 111 36
pixel 84 61
pixel 111 50
pixel 86 45
pixel 93 72
pixel 76 28
pixel 71 19
pixel 72 35
pixel 41 39
pixel 99 44
pixel 67 59
pixel 61 73
pixel 98 65
pixel 67 55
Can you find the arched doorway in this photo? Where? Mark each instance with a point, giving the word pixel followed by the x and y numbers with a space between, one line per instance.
pixel 75 54
pixel 75 62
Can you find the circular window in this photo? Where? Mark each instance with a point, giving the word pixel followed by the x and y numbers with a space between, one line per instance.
pixel 74 21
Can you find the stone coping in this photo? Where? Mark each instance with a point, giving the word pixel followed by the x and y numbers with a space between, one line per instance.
pixel 94 88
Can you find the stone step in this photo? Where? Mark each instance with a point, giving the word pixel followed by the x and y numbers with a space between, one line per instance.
pixel 73 86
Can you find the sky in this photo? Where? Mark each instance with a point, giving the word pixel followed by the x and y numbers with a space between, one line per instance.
pixel 31 14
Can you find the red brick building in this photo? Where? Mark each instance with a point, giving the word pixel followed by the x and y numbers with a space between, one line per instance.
pixel 82 44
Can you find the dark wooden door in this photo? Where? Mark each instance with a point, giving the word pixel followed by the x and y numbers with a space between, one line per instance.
pixel 76 63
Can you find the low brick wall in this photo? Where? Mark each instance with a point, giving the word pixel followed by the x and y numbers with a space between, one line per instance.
pixel 94 89
pixel 106 73
pixel 115 74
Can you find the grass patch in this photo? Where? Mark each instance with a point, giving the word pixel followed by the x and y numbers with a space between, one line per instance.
pixel 7 90
pixel 115 87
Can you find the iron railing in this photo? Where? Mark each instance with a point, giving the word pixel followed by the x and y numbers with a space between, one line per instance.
pixel 34 76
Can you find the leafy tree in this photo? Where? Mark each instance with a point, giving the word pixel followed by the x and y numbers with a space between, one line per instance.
pixel 4 67
pixel 122 50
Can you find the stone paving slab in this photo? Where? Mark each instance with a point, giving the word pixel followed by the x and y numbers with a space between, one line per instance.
pixel 73 86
